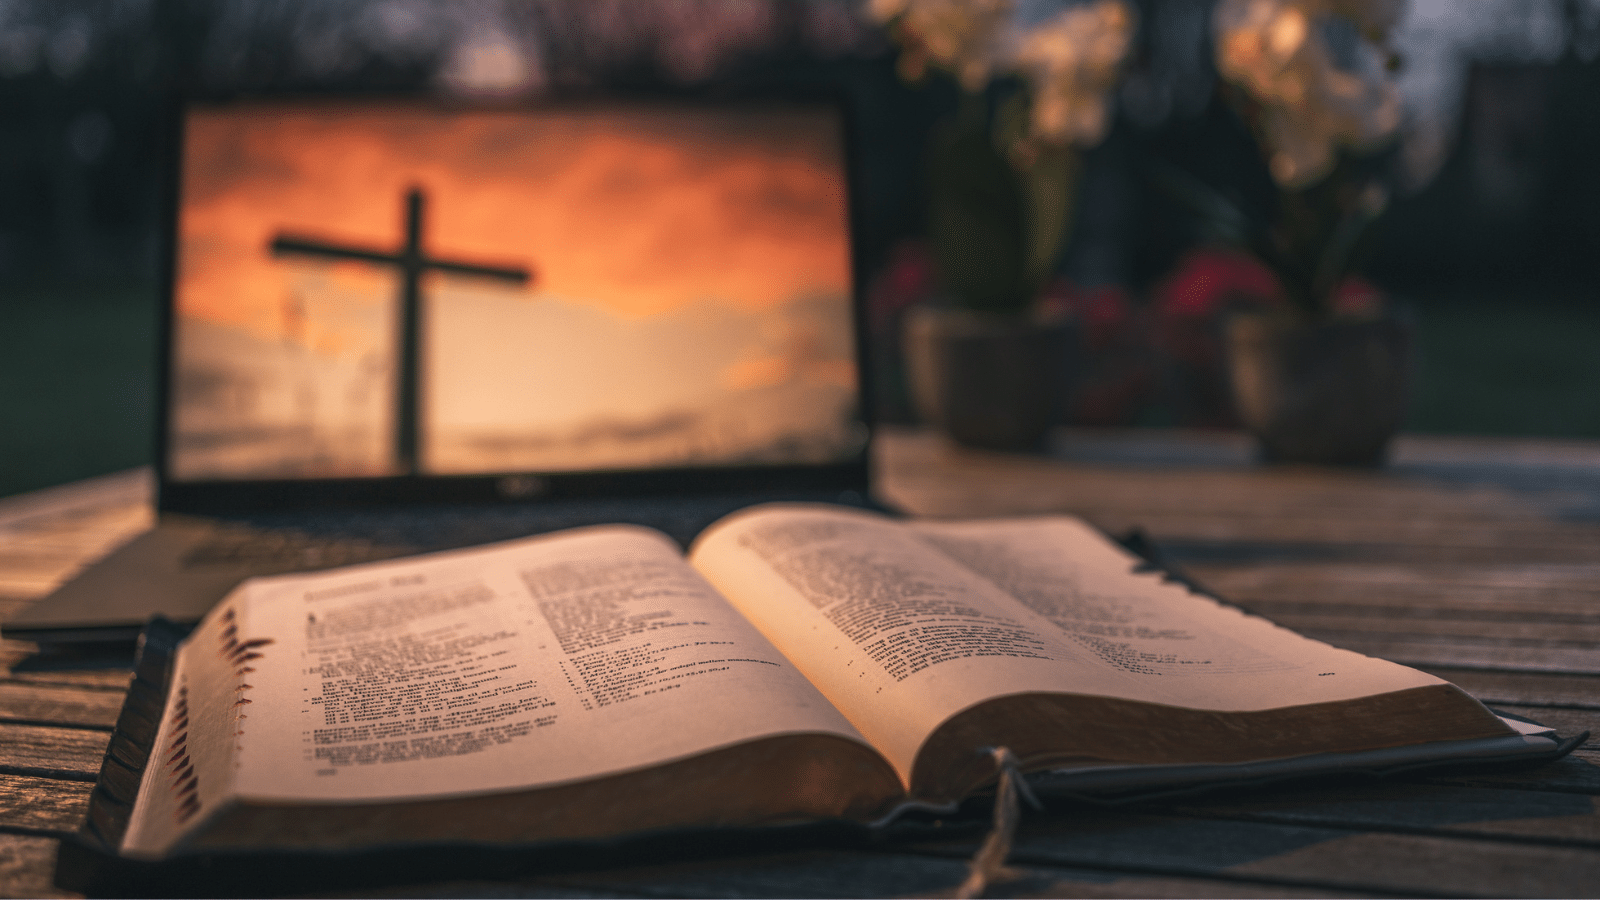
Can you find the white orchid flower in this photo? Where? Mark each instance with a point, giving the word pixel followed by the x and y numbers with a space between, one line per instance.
pixel 1071 60
pixel 1072 63
pixel 962 36
pixel 1319 70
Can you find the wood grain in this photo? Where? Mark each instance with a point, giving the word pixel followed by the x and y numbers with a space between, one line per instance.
pixel 42 805
pixel 1431 809
pixel 1316 857
pixel 849 874
pixel 85 706
pixel 48 535
pixel 1578 773
pixel 1414 650
pixel 1501 592
pixel 1532 689
pixel 1430 866
pixel 1417 513
pixel 73 754
pixel 1478 559
pixel 113 679
pixel 27 865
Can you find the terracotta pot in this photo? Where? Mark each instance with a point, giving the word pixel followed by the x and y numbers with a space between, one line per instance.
pixel 988 380
pixel 1330 392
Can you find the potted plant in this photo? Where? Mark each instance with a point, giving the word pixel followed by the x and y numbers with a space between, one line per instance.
pixel 986 360
pixel 1320 370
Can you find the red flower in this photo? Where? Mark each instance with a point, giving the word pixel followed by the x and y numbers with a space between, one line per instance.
pixel 906 278
pixel 1114 379
pixel 1190 307
pixel 1207 282
pixel 1105 313
pixel 1357 297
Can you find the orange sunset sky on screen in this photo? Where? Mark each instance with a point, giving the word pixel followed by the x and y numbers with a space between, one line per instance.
pixel 640 215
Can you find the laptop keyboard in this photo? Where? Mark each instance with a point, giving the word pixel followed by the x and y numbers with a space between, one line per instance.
pixel 326 538
pixel 285 548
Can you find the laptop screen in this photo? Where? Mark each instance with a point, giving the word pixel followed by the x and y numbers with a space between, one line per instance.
pixel 381 288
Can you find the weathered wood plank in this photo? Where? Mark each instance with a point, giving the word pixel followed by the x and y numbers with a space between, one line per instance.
pixel 1317 536
pixel 1089 884
pixel 1495 614
pixel 1507 623
pixel 11 605
pixel 72 529
pixel 47 536
pixel 43 804
pixel 1437 866
pixel 1543 816
pixel 826 873
pixel 1313 857
pixel 70 753
pixel 1219 498
pixel 1186 553
pixel 846 874
pixel 817 873
pixel 21 662
pixel 1474 507
pixel 1533 689
pixel 37 558
pixel 911 453
pixel 1531 453
pixel 1551 592
pixel 1577 773
pixel 522 889
pixel 1532 632
pixel 102 679
pixel 1528 647
pixel 58 704
pixel 1489 654
pixel 27 865
pixel 1378 511
pixel 130 487
pixel 1465 456
pixel 1461 541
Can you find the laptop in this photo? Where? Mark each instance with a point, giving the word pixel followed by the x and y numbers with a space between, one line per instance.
pixel 396 325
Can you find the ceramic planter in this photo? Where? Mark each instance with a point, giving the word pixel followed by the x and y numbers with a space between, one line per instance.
pixel 1328 392
pixel 985 379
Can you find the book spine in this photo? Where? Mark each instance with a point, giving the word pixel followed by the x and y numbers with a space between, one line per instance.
pixel 182 780
pixel 236 654
pixel 134 736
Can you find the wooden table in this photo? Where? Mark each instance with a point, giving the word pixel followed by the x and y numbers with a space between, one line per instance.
pixel 1475 559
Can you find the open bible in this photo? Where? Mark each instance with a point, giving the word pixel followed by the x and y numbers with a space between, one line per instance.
pixel 802 663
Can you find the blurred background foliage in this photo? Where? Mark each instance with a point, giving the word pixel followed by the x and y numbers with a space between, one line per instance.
pixel 1495 246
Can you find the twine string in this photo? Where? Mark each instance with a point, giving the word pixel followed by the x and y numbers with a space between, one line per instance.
pixel 989 863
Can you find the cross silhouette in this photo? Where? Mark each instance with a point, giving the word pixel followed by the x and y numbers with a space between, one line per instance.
pixel 412 261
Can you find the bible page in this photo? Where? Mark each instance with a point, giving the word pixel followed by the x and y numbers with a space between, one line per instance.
pixel 530 663
pixel 1173 645
pixel 896 634
pixel 902 625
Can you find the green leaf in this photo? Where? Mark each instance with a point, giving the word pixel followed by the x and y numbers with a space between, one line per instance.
pixel 1052 190
pixel 976 220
